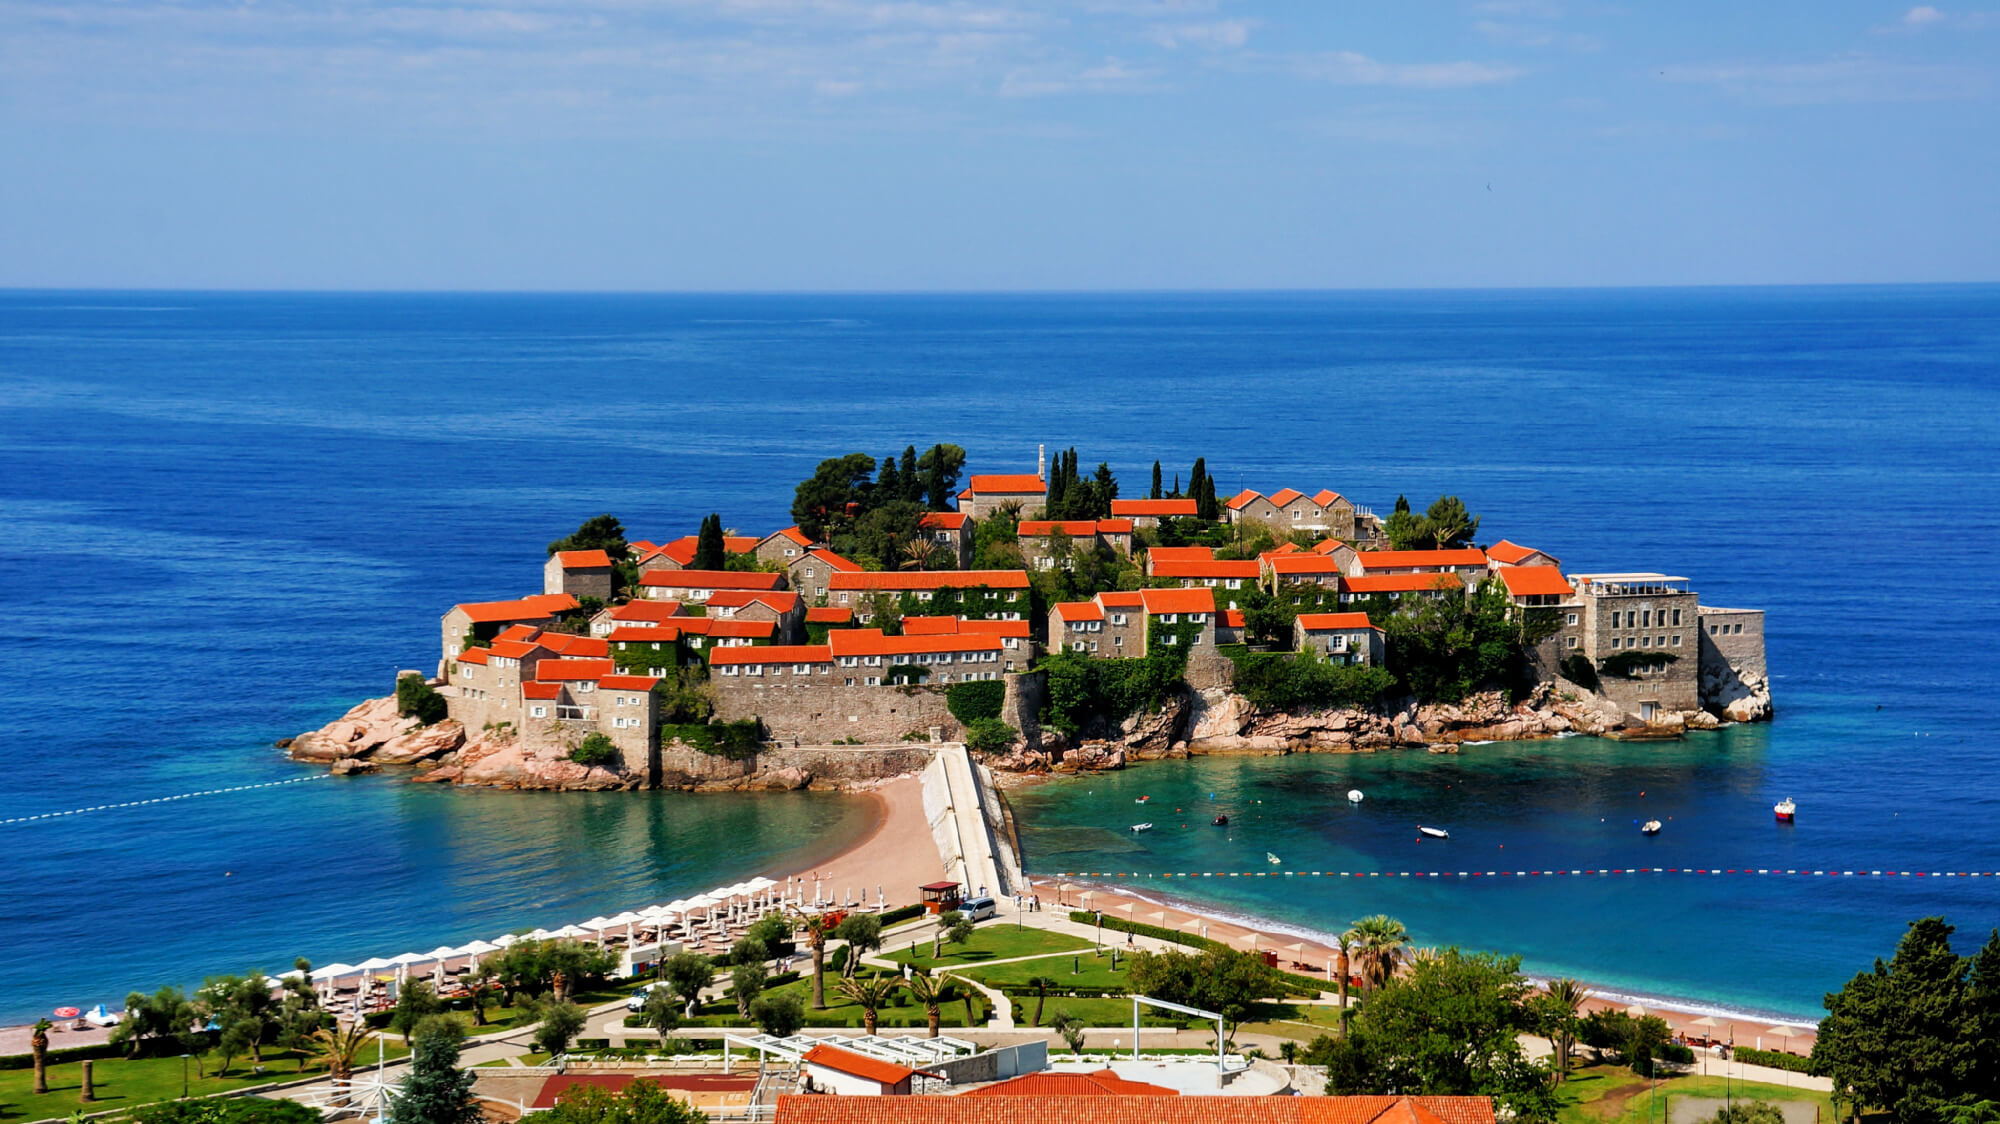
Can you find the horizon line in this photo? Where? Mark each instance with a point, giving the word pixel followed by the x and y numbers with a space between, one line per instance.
pixel 997 292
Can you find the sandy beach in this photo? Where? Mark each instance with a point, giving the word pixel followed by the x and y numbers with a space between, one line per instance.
pixel 898 856
pixel 1306 956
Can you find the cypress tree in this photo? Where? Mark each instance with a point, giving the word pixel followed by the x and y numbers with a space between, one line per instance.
pixel 1176 493
pixel 710 553
pixel 1156 481
pixel 1058 491
pixel 436 1090
pixel 889 485
pixel 1104 491
pixel 1205 506
pixel 1195 477
pixel 914 484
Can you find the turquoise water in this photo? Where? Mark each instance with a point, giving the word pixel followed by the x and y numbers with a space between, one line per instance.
pixel 224 518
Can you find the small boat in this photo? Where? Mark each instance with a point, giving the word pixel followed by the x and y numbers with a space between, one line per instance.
pixel 1785 810
pixel 1220 821
pixel 1272 859
pixel 1650 827
pixel 1143 800
pixel 1435 832
pixel 1139 827
pixel 1354 796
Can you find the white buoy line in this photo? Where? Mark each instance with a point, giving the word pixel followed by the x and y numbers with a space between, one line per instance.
pixel 162 799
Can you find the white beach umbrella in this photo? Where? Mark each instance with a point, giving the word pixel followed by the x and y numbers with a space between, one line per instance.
pixel 443 952
pixel 539 935
pixel 570 931
pixel 506 940
pixel 761 883
pixel 1707 1022
pixel 600 922
pixel 374 964
pixel 1252 939
pixel 333 972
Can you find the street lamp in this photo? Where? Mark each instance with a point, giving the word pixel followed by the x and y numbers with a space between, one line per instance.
pixel 184 1076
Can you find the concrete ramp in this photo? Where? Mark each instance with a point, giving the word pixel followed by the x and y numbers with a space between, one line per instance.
pixel 966 822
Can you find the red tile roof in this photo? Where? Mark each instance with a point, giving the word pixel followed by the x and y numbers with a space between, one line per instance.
pixel 930 579
pixel 1232 618
pixel 682 549
pixel 1016 629
pixel 1217 569
pixel 533 690
pixel 1122 599
pixel 858 1065
pixel 526 609
pixel 930 626
pixel 1286 496
pixel 1242 499
pixel 1533 581
pixel 628 682
pixel 1126 1109
pixel 1152 507
pixel 519 632
pixel 643 610
pixel 1114 526
pixel 1074 528
pixel 1400 583
pixel 1079 611
pixel 1404 559
pixel 473 655
pixel 1282 548
pixel 1509 553
pixel 945 520
pixel 563 644
pixel 1327 498
pixel 1200 599
pixel 1329 546
pixel 1182 554
pixel 779 600
pixel 1303 563
pixel 730 629
pixel 556 671
pixel 512 649
pixel 1334 622
pixel 829 614
pixel 1020 483
pixel 871 642
pixel 772 653
pixel 582 559
pixel 835 561
pixel 1103 1083
pixel 710 579
pixel 792 533
pixel 638 635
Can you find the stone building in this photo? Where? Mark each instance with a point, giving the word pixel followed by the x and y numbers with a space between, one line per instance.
pixel 952 532
pixel 487 618
pixel 780 548
pixel 1642 632
pixel 1038 538
pixel 579 573
pixel 1504 553
pixel 1468 563
pixel 781 607
pixel 1125 624
pixel 811 572
pixel 635 614
pixel 1299 568
pixel 989 493
pixel 856 590
pixel 1345 638
pixel 679 554
pixel 1146 514
pixel 1402 587
pixel 555 689
pixel 1016 642
pixel 693 587
pixel 1227 578
pixel 1535 587
pixel 1325 512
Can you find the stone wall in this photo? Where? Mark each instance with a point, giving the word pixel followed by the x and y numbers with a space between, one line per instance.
pixel 1734 637
pixel 825 766
pixel 828 712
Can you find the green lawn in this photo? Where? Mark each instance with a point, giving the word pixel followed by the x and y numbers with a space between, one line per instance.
pixel 839 1012
pixel 131 1082
pixel 1615 1095
pixel 1093 1012
pixel 991 941
pixel 1080 969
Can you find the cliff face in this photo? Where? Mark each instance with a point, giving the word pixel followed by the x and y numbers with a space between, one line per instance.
pixel 372 735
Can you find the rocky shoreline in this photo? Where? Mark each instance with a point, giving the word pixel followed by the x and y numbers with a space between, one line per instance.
pixel 1194 723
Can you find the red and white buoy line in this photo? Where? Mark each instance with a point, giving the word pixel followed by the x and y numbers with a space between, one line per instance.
pixel 1131 875
pixel 162 799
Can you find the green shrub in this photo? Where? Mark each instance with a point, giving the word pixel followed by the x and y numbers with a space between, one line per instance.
pixel 1774 1059
pixel 1284 681
pixel 1294 982
pixel 906 673
pixel 903 914
pixel 227 1110
pixel 418 699
pixel 1578 670
pixel 1675 1052
pixel 990 735
pixel 1628 663
pixel 970 702
pixel 736 741
pixel 595 749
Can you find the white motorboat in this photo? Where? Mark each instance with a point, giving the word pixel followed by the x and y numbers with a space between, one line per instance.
pixel 1354 796
pixel 1139 827
pixel 1650 827
pixel 1272 859
pixel 1785 809
pixel 1435 832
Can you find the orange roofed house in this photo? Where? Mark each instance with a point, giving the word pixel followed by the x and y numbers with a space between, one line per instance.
pixel 1038 538
pixel 696 586
pixel 1126 624
pixel 1148 513
pixel 579 573
pixel 987 494
pixel 1133 1109
pixel 485 619
pixel 951 531
pixel 1340 637
pixel 679 554
pixel 1325 512
pixel 554 689
pixel 1008 589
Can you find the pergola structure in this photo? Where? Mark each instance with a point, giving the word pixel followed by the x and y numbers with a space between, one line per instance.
pixel 1221 1043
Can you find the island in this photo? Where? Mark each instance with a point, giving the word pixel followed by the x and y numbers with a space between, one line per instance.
pixel 1048 624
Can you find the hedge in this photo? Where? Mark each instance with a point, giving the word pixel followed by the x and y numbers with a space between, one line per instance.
pixel 735 741
pixel 903 914
pixel 1307 984
pixel 1775 1059
pixel 969 702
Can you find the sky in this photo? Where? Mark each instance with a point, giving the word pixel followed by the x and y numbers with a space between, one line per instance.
pixel 994 144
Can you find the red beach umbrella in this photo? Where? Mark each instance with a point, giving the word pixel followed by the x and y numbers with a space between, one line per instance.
pixel 67 1012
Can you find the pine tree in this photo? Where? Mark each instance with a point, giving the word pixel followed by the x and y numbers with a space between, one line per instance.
pixel 889 486
pixel 1156 481
pixel 1195 480
pixel 709 551
pixel 436 1091
pixel 1103 491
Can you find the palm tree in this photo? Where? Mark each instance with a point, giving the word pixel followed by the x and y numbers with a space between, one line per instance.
pixel 338 1046
pixel 1070 1026
pixel 917 553
pixel 817 927
pixel 1566 996
pixel 39 1043
pixel 933 992
pixel 1384 945
pixel 871 994
pixel 1041 984
pixel 1345 943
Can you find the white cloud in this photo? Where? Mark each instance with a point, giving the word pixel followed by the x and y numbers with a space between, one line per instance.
pixel 1350 68
pixel 1922 14
pixel 1852 79
pixel 1224 34
pixel 1112 76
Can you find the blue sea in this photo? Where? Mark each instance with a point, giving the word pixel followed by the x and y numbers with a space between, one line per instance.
pixel 225 518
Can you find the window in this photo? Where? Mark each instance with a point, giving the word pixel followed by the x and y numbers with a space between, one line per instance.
pixel 1645 641
pixel 727 669
pixel 850 661
pixel 1738 628
pixel 1572 641
pixel 1614 643
pixel 1677 639
pixel 850 681
pixel 1170 618
pixel 1167 639
pixel 874 681
pixel 1117 618
pixel 1093 645
pixel 1233 583
pixel 873 661
pixel 694 641
pixel 924 595
pixel 1076 645
pixel 538 712
pixel 754 669
pixel 1646 618
pixel 1677 616
pixel 802 669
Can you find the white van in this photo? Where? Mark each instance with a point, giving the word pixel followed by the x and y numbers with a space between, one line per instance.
pixel 978 909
